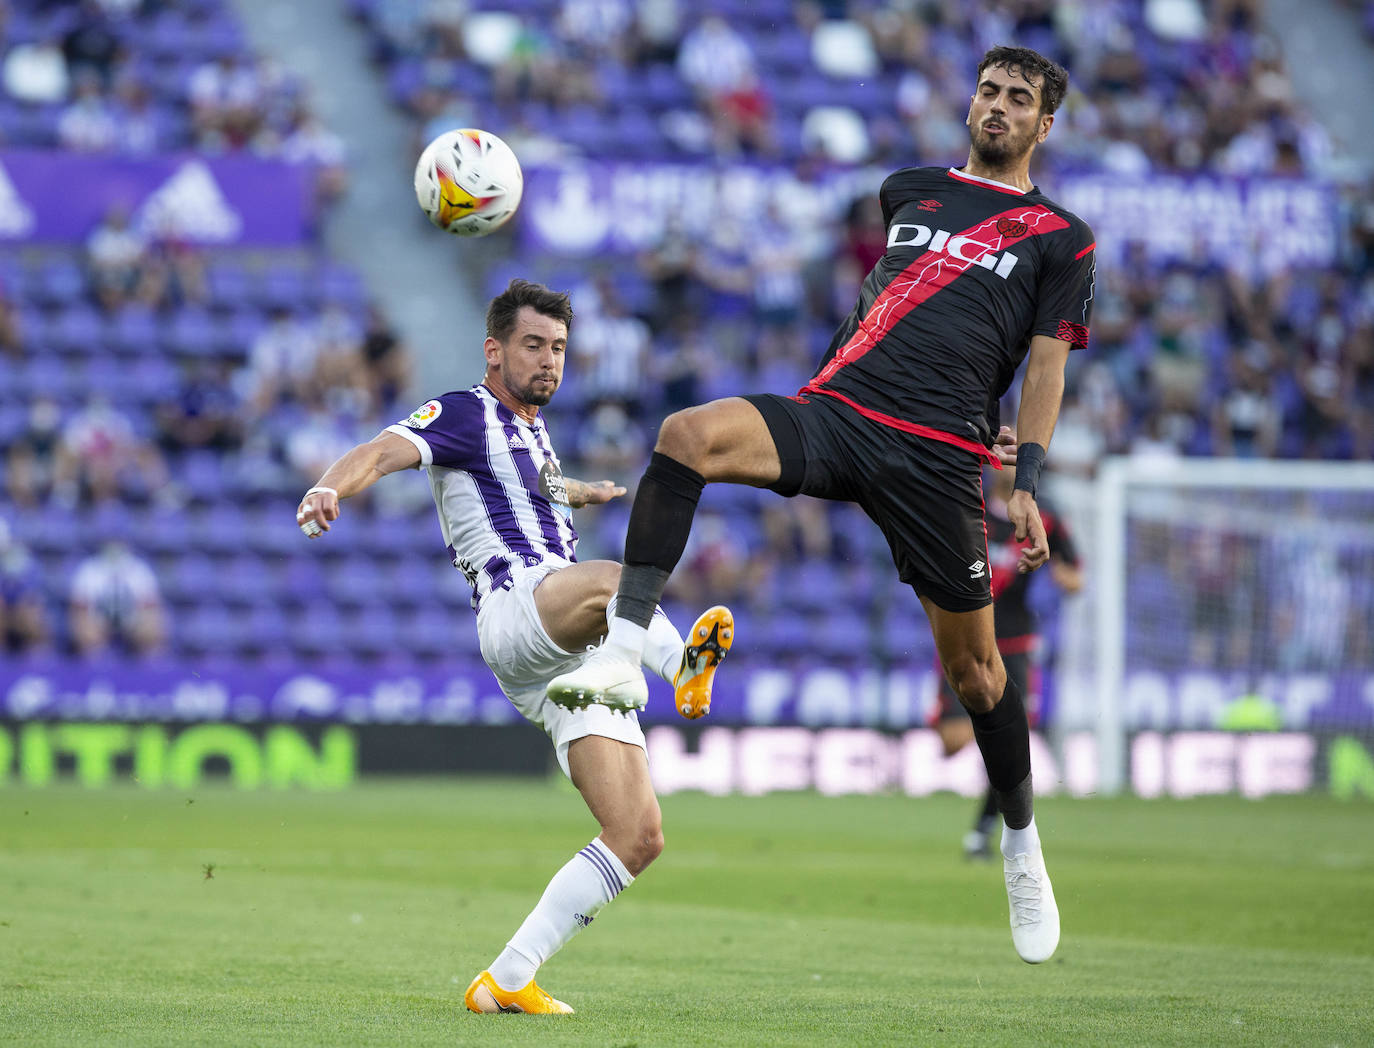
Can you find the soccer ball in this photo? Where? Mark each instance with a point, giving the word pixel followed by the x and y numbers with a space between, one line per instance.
pixel 468 182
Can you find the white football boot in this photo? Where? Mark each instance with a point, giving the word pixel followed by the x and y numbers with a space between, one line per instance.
pixel 1034 914
pixel 605 678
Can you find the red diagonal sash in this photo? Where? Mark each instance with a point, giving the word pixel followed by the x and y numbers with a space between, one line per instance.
pixel 931 271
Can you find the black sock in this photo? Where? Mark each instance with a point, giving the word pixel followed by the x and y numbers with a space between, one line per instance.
pixel 1003 736
pixel 987 816
pixel 660 522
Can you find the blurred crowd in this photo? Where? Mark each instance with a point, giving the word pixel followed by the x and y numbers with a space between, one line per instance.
pixel 173 396
pixel 145 77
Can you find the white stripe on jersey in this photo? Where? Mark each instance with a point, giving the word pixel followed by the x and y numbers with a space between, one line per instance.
pixel 493 514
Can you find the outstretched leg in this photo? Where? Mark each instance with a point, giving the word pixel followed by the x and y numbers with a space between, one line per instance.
pixel 613 778
pixel 724 441
pixel 967 646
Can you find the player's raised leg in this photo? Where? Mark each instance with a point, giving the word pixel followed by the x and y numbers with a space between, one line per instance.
pixel 613 778
pixel 724 441
pixel 967 646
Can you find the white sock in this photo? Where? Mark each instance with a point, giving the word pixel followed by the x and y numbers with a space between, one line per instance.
pixel 577 893
pixel 1025 841
pixel 662 650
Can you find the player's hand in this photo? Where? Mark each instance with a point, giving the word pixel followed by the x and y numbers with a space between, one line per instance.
pixel 317 509
pixel 592 492
pixel 1025 516
pixel 1004 446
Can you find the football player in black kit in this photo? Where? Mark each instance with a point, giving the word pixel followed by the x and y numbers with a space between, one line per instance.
pixel 1017 632
pixel 982 272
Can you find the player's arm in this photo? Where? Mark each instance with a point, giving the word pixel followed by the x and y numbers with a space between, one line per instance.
pixel 1042 389
pixel 355 471
pixel 591 492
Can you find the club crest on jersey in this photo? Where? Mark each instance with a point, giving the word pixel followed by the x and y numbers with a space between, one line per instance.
pixel 423 415
pixel 552 484
pixel 1010 227
pixel 963 249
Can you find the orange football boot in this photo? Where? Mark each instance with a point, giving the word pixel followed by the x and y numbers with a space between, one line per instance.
pixel 485 996
pixel 707 644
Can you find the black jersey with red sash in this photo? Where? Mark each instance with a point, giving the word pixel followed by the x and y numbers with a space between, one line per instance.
pixel 1015 622
pixel 973 270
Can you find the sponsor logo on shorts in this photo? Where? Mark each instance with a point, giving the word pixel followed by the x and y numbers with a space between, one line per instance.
pixel 977 570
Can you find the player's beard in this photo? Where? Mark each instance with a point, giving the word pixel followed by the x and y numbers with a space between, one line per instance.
pixel 537 394
pixel 1000 150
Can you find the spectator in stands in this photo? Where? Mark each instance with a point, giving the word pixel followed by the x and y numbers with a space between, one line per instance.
pixel 88 124
pixel 115 255
pixel 202 412
pixel 11 327
pixel 36 72
pixel 138 130
pixel 92 44
pixel 31 463
pixel 227 97
pixel 1247 417
pixel 385 358
pixel 280 362
pixel 309 142
pixel 612 348
pixel 103 456
pixel 23 620
pixel 671 265
pixel 115 604
pixel 718 64
pixel 610 443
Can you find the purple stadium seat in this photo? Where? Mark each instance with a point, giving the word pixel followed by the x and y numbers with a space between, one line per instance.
pixel 286 287
pixel 60 282
pixel 205 627
pixel 191 332
pixel 241 578
pixel 194 578
pixel 133 331
pixel 339 283
pixel 265 629
pixel 78 330
pixel 228 283
pixel 270 530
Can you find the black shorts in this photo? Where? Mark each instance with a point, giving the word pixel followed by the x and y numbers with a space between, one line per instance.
pixel 926 496
pixel 1020 670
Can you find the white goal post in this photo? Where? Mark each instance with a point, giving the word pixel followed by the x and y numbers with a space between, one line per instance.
pixel 1213 583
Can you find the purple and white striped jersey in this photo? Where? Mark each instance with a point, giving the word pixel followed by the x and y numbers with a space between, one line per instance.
pixel 502 500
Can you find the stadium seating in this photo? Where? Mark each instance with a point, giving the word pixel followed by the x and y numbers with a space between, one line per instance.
pixel 234 572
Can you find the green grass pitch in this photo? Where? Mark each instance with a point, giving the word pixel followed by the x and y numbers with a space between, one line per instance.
pixel 132 917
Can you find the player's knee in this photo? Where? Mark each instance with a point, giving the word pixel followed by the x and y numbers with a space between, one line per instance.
pixel 680 438
pixel 974 680
pixel 643 845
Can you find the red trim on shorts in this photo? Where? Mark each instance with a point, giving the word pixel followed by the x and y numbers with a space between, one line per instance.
pixel 913 427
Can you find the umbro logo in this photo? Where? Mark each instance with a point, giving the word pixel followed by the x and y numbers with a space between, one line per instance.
pixel 929 205
pixel 977 570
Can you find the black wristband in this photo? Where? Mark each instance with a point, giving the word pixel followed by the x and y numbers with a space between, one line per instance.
pixel 1030 460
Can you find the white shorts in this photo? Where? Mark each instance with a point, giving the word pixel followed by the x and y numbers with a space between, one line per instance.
pixel 524 659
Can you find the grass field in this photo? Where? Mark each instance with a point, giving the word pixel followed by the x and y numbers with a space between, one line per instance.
pixel 357 918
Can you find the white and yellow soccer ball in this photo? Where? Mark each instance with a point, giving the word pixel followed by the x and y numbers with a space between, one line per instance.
pixel 468 182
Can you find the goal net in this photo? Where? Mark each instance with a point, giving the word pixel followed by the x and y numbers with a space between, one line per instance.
pixel 1227 640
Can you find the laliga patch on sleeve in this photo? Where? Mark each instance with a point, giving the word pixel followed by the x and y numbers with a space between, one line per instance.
pixel 423 415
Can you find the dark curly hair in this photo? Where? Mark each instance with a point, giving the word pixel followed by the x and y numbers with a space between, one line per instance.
pixel 501 313
pixel 1054 79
